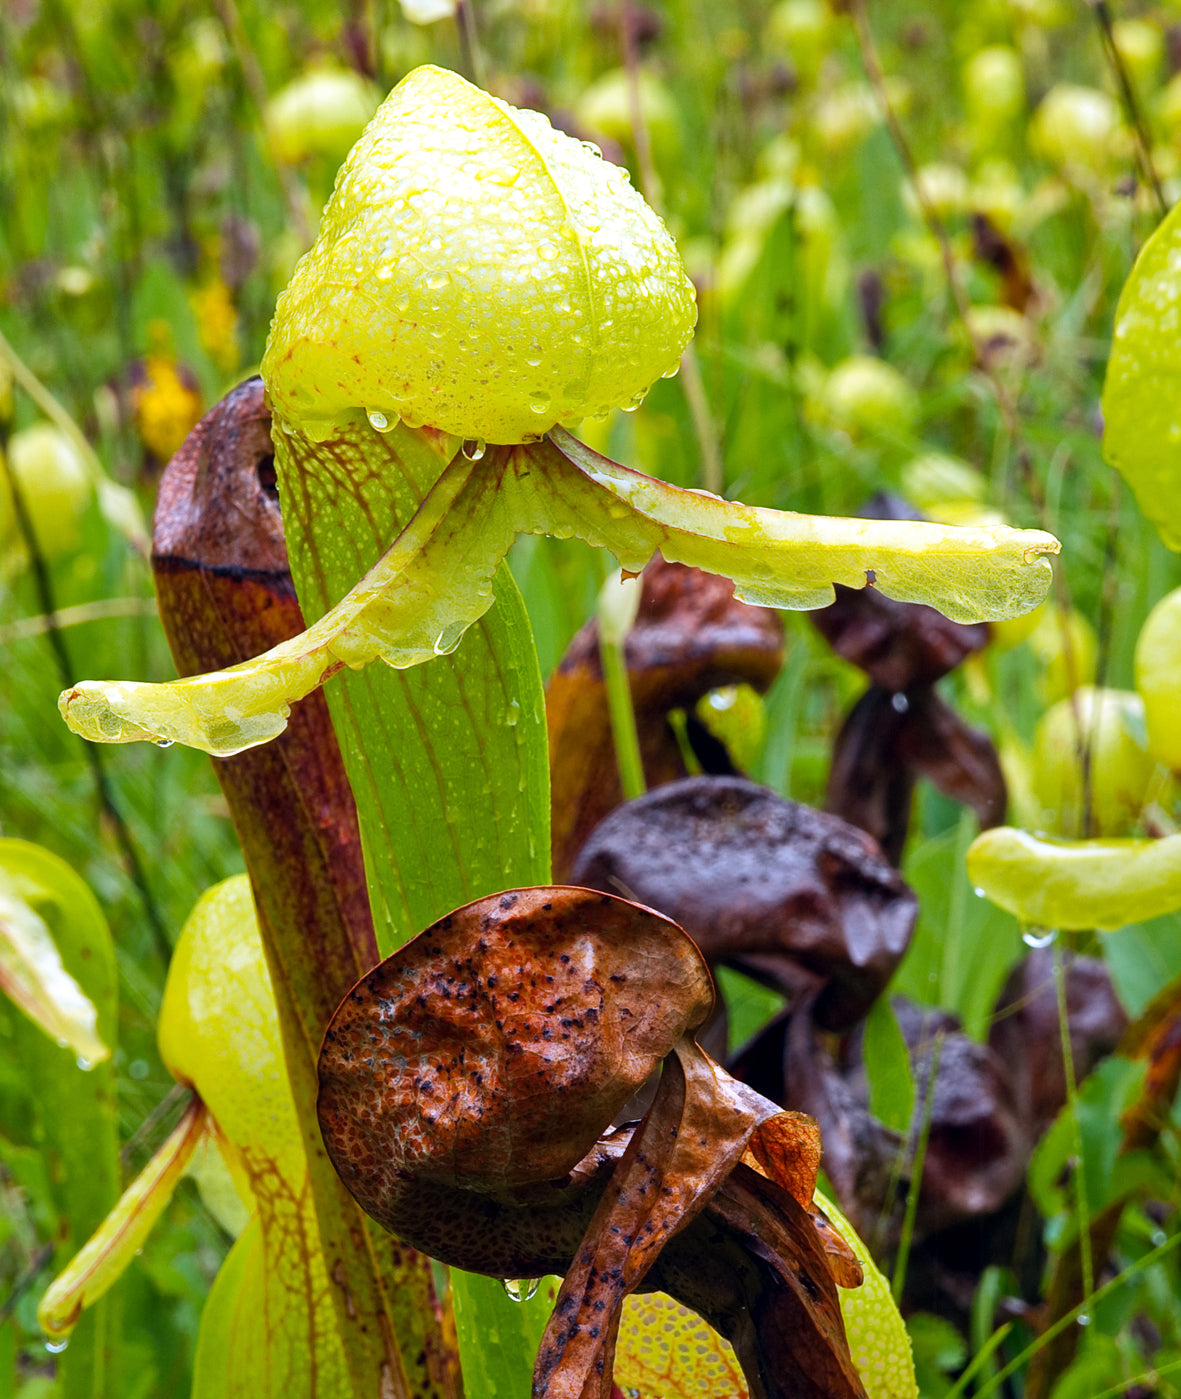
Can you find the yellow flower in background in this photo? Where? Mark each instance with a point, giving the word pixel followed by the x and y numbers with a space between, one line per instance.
pixel 165 403
pixel 217 324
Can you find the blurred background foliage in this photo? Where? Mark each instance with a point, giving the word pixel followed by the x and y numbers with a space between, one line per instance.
pixel 162 167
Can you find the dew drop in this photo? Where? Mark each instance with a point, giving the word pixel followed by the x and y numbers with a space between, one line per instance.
pixel 546 250
pixel 1084 1319
pixel 55 1347
pixel 1038 937
pixel 980 894
pixel 521 1289
pixel 164 742
pixel 438 280
pixel 514 713
pixel 1158 1238
pixel 539 406
pixel 473 448
pixel 378 421
pixel 899 704
pixel 84 1064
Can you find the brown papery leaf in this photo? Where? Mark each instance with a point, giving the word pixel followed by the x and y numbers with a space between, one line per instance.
pixel 468 1085
pixel 493 1050
pixel 691 636
pixel 785 892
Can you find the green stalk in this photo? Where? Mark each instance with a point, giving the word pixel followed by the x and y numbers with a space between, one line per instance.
pixel 448 762
pixel 916 1178
pixel 616 615
pixel 1086 1263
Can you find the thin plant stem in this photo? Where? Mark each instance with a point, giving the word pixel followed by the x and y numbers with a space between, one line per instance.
pixel 94 756
pixel 916 1176
pixel 101 610
pixel 613 657
pixel 179 1093
pixel 1133 1270
pixel 979 1360
pixel 623 719
pixel 641 138
pixel 1149 1378
pixel 1135 114
pixel 39 1261
pixel 1086 1262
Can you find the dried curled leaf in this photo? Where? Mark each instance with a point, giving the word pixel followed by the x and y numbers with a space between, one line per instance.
pixel 1077 884
pixel 490 1051
pixel 468 1085
pixel 491 277
pixel 791 894
pixel 436 579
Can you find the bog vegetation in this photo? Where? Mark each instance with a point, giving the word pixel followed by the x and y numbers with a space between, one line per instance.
pixel 908 789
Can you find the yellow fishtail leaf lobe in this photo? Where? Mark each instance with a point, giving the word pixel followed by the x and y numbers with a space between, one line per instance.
pixel 489 276
pixel 436 579
pixel 270 1326
pixel 102 1259
pixel 1077 884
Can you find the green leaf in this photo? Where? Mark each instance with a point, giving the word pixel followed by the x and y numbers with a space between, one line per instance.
pixel 76 1107
pixel 1141 423
pixel 448 763
pixel 420 596
pixel 248 1344
pixel 887 1068
pixel 1077 884
pixel 497 1334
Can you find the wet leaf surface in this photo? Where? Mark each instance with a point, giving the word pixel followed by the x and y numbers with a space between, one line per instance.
pixel 796 897
pixel 415 604
pixel 468 1086
pixel 691 635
